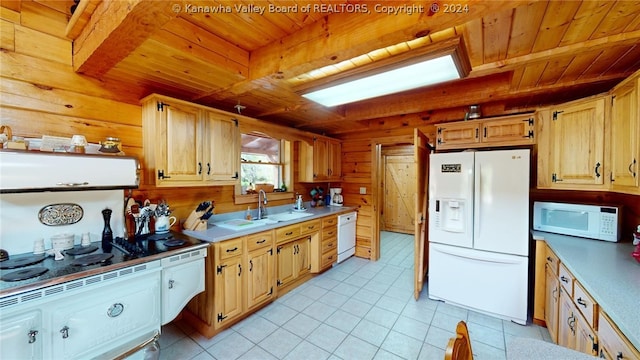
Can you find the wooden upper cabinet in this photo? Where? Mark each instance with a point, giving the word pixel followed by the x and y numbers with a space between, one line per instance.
pixel 571 146
pixel 500 131
pixel 187 144
pixel 320 161
pixel 222 147
pixel 625 136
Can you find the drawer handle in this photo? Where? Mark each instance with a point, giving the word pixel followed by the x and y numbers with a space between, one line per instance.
pixel 261 241
pixel 289 233
pixel 619 356
pixel 564 279
pixel 232 250
pixel 549 259
pixel 65 332
pixel 581 302
pixel 32 336
pixel 311 227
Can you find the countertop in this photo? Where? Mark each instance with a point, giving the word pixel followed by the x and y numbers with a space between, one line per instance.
pixel 216 233
pixel 609 274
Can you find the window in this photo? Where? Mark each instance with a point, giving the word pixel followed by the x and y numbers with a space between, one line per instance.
pixel 261 162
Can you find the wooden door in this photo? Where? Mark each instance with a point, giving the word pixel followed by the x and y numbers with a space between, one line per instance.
pixel 179 149
pixel 335 160
pixel 625 131
pixel 421 248
pixel 302 253
pixel 511 131
pixel 578 146
pixel 285 257
pixel 566 321
pixel 586 341
pixel 228 293
pixel 320 159
pixel 260 279
pixel 222 148
pixel 551 303
pixel 454 135
pixel 399 186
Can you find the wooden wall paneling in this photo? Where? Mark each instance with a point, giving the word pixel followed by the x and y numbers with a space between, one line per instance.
pixel 43 18
pixel 45 46
pixel 7 35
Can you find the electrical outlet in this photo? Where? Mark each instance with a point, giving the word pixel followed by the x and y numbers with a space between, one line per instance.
pixel 363 191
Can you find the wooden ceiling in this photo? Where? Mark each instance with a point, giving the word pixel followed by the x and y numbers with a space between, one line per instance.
pixel 223 53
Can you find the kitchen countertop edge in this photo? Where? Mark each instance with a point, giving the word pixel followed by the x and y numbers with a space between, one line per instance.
pixel 606 270
pixel 215 234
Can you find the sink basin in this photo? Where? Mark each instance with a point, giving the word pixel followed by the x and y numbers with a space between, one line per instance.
pixel 286 216
pixel 242 224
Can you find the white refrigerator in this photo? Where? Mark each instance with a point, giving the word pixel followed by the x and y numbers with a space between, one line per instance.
pixel 479 231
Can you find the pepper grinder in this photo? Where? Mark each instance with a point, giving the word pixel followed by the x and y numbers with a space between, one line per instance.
pixel 107 234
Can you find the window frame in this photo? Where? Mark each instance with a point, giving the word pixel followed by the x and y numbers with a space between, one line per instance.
pixel 286 161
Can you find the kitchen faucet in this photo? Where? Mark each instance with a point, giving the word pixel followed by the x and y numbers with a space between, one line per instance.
pixel 262 210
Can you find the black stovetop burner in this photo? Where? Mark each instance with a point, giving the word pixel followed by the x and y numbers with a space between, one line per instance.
pixel 21 262
pixel 91 259
pixel 24 274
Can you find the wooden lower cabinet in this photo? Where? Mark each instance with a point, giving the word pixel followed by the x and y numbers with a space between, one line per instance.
pixel 260 269
pixel 293 260
pixel 552 301
pixel 228 291
pixel 613 345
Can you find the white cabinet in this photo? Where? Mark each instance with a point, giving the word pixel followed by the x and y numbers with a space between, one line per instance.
pixel 87 324
pixel 22 336
pixel 182 279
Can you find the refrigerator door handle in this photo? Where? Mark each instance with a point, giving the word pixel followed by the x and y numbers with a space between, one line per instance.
pixel 477 199
pixel 477 256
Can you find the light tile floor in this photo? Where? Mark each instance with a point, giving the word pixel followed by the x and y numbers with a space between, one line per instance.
pixel 359 309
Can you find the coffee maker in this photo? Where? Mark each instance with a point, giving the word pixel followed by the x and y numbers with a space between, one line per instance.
pixel 336 197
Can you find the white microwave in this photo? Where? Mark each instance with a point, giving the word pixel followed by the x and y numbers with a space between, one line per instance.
pixel 589 221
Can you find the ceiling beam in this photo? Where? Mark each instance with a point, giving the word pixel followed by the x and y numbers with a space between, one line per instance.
pixel 115 29
pixel 341 36
pixel 629 38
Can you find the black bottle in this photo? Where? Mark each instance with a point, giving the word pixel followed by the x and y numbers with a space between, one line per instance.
pixel 107 234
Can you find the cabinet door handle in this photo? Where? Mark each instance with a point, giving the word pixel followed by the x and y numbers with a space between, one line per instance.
pixel 65 332
pixel 581 302
pixel 239 269
pixel 250 265
pixel 631 165
pixel 476 133
pixel 596 169
pixel 199 168
pixel 208 169
pixel 32 336
pixel 564 279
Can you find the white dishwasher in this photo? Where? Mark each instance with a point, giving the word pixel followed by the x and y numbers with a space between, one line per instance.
pixel 346 235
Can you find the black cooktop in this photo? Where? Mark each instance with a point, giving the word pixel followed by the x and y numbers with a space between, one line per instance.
pixel 27 269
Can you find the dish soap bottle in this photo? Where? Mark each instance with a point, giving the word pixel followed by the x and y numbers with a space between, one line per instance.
pixel 248 213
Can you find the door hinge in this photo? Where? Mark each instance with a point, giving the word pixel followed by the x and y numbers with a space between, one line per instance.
pixel 278 249
pixel 439 141
pixel 270 291
pixel 160 105
pixel 555 178
pixel 278 283
pixel 235 176
pixel 219 269
pixel 530 135
pixel 270 251
pixel 530 121
pixel 161 175
pixel 220 317
pixel 555 114
pixel 439 130
pixel 235 121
